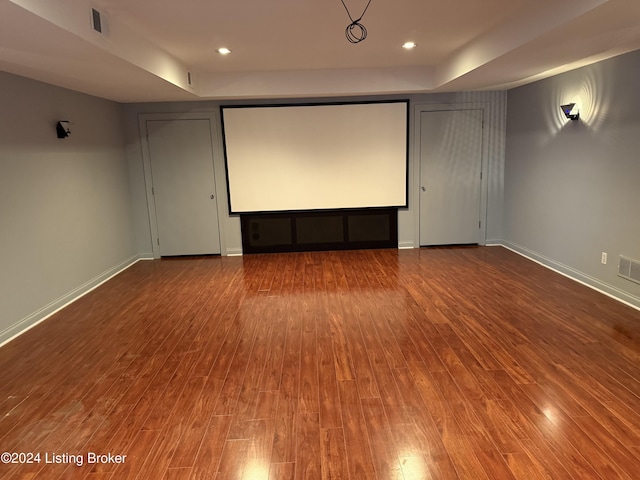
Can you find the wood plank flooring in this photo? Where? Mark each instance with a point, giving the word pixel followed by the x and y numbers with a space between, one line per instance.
pixel 442 363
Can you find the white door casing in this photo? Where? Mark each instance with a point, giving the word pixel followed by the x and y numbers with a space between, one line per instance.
pixel 183 186
pixel 451 148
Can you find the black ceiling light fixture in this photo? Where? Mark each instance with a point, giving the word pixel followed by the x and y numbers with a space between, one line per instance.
pixel 570 111
pixel 355 31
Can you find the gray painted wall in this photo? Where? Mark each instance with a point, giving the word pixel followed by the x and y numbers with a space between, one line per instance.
pixel 494 104
pixel 65 220
pixel 572 189
pixel 74 211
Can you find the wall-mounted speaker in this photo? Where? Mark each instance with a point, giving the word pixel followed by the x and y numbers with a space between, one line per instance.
pixel 63 128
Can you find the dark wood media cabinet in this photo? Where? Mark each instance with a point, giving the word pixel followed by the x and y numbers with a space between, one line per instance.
pixel 315 230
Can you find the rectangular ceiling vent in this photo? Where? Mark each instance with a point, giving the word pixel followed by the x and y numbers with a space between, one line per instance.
pixel 629 268
pixel 99 22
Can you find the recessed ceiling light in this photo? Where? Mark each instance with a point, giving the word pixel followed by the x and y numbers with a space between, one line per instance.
pixel 224 51
pixel 409 45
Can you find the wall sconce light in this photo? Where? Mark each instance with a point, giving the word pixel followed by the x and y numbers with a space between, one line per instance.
pixel 570 111
pixel 62 128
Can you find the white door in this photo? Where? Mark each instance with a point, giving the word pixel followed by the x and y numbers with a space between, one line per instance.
pixel 181 158
pixel 450 177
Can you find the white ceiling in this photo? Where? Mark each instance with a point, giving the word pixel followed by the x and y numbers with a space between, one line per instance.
pixel 298 48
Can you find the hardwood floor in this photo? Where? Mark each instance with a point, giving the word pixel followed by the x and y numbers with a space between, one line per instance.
pixel 442 363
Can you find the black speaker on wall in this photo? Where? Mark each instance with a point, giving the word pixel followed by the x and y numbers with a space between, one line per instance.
pixel 62 129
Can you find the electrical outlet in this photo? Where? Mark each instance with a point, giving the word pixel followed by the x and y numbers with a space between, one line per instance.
pixel 603 259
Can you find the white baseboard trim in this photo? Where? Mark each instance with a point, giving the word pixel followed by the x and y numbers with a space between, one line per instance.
pixel 575 275
pixel 233 252
pixel 45 312
pixel 405 245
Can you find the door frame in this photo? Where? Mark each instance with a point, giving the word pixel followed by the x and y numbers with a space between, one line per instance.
pixel 218 170
pixel 484 182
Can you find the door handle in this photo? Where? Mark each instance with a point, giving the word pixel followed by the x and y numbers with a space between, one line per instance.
pixel 423 189
pixel 211 197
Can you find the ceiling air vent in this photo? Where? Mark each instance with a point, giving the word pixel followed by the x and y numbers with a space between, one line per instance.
pixel 99 22
pixel 629 268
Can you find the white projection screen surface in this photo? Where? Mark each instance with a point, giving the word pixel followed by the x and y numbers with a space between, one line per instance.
pixel 314 157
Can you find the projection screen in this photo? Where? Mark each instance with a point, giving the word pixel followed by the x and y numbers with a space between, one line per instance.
pixel 314 157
